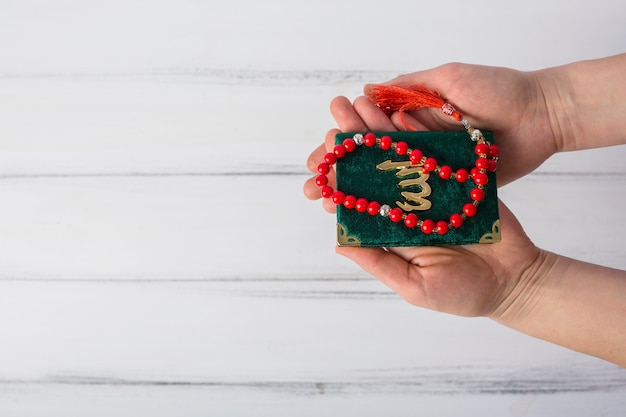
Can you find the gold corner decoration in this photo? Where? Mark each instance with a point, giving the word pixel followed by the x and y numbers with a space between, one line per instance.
pixel 343 239
pixel 494 236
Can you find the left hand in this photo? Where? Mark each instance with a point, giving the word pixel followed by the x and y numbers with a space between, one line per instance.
pixel 470 280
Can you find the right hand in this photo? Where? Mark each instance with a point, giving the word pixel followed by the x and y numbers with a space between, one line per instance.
pixel 508 102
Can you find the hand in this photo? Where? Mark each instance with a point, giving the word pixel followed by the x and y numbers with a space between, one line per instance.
pixel 533 115
pixel 508 102
pixel 471 280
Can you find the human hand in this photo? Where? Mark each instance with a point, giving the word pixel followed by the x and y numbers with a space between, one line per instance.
pixel 474 280
pixel 508 102
pixel 544 295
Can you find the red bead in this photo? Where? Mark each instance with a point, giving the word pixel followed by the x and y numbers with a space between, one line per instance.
pixel 361 205
pixel 339 151
pixel 369 139
pixel 330 158
pixel 416 156
pixel 410 220
pixel 481 149
pixel 477 194
pixel 428 226
pixel 323 168
pixel 372 208
pixel 442 227
pixel 481 179
pixel 461 175
pixel 456 220
pixel 349 144
pixel 430 164
pixel 445 172
pixel 385 142
pixel 482 163
pixel 327 191
pixel 492 165
pixel 395 215
pixel 473 172
pixel 469 209
pixel 338 197
pixel 402 148
pixel 321 180
pixel 493 151
pixel 349 202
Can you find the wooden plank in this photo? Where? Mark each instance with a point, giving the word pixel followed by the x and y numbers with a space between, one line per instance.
pixel 120 36
pixel 573 215
pixel 188 124
pixel 190 227
pixel 268 347
pixel 157 125
pixel 96 400
pixel 206 227
pixel 145 270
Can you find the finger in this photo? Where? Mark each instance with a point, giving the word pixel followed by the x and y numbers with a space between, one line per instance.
pixel 419 77
pixel 315 158
pixel 437 78
pixel 329 206
pixel 346 116
pixel 399 122
pixel 393 271
pixel 312 190
pixel 329 140
pixel 372 115
pixel 427 119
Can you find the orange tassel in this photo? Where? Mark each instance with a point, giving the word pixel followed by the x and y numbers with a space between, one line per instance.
pixel 405 97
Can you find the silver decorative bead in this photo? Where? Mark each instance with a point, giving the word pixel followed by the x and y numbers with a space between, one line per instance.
pixel 384 210
pixel 466 124
pixel 476 135
pixel 358 138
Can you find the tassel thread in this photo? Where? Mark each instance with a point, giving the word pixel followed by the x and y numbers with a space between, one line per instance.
pixel 408 97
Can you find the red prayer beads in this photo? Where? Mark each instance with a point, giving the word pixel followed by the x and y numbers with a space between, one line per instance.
pixel 445 172
pixel 338 197
pixel 349 202
pixel 350 145
pixel 361 205
pixel 373 208
pixel 385 142
pixel 411 220
pixel 395 215
pixel 428 226
pixel 401 148
pixel 369 139
pixel 430 164
pixel 461 175
pixel 340 151
pixel 416 156
pixel 486 162
pixel 456 220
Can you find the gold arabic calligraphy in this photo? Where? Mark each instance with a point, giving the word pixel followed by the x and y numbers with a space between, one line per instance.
pixel 414 200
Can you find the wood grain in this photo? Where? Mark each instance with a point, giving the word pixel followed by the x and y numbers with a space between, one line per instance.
pixel 158 257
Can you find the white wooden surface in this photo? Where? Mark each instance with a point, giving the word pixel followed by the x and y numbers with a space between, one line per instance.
pixel 157 256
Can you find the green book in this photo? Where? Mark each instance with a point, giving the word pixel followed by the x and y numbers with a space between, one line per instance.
pixel 391 179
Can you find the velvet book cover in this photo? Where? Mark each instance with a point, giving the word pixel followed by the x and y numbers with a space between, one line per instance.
pixel 388 178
